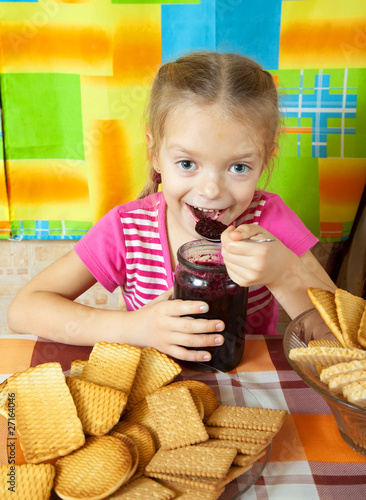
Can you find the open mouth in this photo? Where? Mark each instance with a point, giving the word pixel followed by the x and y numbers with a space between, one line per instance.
pixel 201 213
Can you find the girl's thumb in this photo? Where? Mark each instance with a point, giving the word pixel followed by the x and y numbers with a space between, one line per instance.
pixel 165 295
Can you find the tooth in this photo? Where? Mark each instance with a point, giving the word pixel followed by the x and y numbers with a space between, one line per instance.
pixel 204 209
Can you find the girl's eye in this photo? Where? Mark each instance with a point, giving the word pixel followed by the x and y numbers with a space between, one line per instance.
pixel 240 168
pixel 187 165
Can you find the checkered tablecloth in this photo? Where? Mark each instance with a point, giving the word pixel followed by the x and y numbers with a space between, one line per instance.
pixel 308 459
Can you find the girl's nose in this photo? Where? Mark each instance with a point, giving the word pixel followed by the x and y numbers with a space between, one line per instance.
pixel 210 187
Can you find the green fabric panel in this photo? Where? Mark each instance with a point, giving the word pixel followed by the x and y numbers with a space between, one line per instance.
pixel 288 179
pixel 355 145
pixel 42 116
pixel 334 146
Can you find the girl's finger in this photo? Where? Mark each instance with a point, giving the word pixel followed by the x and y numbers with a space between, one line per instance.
pixel 164 296
pixel 196 340
pixel 179 307
pixel 196 325
pixel 179 352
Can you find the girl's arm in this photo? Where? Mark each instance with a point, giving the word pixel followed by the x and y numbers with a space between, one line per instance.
pixel 46 307
pixel 274 265
pixel 301 273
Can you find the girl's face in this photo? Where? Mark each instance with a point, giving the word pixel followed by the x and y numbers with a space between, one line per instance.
pixel 209 166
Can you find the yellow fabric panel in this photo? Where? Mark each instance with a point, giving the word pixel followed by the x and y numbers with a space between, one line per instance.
pixel 59 185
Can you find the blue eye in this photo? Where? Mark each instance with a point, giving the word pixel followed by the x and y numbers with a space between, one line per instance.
pixel 187 165
pixel 239 168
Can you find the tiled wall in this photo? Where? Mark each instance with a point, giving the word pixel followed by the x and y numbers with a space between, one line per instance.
pixel 21 260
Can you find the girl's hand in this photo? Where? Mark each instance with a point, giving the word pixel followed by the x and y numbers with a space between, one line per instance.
pixel 274 265
pixel 250 264
pixel 163 328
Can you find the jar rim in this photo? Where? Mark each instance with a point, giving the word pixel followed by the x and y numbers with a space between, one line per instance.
pixel 219 268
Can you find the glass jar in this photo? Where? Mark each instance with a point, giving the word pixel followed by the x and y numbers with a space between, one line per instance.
pixel 201 275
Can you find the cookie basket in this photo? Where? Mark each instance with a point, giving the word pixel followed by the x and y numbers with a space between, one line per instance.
pixel 350 419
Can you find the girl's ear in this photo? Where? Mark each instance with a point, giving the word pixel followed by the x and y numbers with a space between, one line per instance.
pixel 148 138
pixel 150 150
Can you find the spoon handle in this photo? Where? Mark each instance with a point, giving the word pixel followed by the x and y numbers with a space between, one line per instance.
pixel 250 240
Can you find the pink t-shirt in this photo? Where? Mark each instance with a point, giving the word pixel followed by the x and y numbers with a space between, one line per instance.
pixel 128 247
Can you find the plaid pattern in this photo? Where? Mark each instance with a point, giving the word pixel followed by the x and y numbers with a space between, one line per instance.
pixel 44 229
pixel 322 103
pixel 308 459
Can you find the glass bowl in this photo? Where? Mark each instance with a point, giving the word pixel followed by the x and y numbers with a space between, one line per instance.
pixel 350 419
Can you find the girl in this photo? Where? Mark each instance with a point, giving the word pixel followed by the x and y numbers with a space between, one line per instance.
pixel 213 120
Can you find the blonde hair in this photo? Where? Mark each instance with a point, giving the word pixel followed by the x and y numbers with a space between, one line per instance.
pixel 235 83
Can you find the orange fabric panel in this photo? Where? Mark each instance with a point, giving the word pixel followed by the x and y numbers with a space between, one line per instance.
pixel 250 361
pixel 136 55
pixel 313 43
pixel 324 443
pixel 77 48
pixel 16 354
pixel 42 182
pixel 111 167
pixel 341 180
pixel 287 446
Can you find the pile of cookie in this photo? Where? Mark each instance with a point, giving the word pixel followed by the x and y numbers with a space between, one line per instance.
pixel 119 426
pixel 340 363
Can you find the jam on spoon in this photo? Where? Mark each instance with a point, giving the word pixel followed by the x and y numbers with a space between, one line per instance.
pixel 210 229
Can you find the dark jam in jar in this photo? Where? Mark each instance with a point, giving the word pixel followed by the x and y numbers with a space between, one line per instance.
pixel 201 275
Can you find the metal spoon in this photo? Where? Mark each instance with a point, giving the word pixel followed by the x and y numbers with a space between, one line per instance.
pixel 249 240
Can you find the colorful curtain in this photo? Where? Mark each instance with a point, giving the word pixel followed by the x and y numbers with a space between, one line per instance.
pixel 73 85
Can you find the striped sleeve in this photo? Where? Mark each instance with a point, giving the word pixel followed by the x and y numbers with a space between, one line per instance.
pixel 146 276
pixel 124 249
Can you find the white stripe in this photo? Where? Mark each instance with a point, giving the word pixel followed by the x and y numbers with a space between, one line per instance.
pixel 143 255
pixel 141 211
pixel 300 99
pixel 143 244
pixel 152 269
pixel 141 299
pixel 135 286
pixel 259 297
pixel 146 279
pixel 343 105
pixel 131 298
pixel 141 222
pixel 317 116
pixel 21 336
pixel 135 231
pixel 316 88
pixel 248 216
pixel 320 110
pixel 260 306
